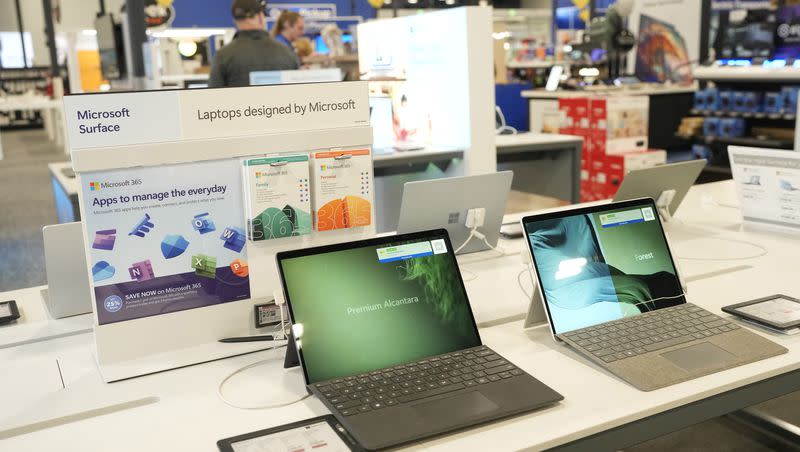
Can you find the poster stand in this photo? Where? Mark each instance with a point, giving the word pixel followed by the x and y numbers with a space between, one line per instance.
pixel 132 132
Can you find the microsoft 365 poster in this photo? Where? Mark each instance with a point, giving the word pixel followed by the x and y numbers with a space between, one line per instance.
pixel 165 239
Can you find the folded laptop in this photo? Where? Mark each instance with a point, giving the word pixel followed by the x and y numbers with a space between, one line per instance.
pixel 611 291
pixel 387 340
pixel 652 182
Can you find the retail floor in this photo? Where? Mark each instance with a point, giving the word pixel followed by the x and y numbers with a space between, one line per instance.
pixel 27 205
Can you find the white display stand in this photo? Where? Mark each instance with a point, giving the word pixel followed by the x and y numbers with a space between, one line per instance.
pixel 444 60
pixel 166 127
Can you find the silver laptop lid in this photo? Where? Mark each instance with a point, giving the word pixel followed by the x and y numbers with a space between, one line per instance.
pixel 651 182
pixel 601 263
pixel 444 203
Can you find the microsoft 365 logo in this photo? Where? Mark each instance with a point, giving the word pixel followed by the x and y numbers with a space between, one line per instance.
pixel 96 186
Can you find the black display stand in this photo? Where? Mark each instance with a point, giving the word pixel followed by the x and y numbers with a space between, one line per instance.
pixel 291 359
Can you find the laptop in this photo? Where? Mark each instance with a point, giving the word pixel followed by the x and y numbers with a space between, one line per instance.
pixel 387 340
pixel 611 291
pixel 652 182
pixel 446 202
pixel 68 287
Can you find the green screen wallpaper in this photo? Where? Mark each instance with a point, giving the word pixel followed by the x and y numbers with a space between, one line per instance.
pixel 637 248
pixel 358 314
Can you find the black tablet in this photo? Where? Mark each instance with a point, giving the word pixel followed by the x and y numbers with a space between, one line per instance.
pixel 319 434
pixel 778 312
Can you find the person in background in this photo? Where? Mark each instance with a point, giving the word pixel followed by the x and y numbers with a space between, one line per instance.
pixel 289 27
pixel 252 48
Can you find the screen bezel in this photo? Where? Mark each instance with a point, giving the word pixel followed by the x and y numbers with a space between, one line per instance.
pixel 640 202
pixel 226 445
pixel 427 235
pixel 734 309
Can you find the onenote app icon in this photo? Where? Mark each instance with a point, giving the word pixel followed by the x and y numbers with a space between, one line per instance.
pixel 94 186
pixel 113 303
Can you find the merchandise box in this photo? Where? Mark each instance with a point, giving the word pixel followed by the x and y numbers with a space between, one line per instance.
pixel 700 99
pixel 575 114
pixel 747 101
pixel 620 124
pixel 725 101
pixel 712 99
pixel 731 127
pixel 789 100
pixel 773 102
pixel 711 127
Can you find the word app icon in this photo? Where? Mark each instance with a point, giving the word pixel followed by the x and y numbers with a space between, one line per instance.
pixel 142 227
pixel 234 239
pixel 173 245
pixel 205 266
pixel 202 223
pixel 102 271
pixel 104 240
pixel 240 268
pixel 141 271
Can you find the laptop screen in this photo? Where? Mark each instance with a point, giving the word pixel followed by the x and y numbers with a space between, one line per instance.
pixel 362 306
pixel 602 263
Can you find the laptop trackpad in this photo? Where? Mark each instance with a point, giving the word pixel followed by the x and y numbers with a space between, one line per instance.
pixel 701 356
pixel 466 405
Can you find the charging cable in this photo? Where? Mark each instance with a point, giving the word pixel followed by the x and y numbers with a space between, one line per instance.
pixel 255 407
pixel 279 301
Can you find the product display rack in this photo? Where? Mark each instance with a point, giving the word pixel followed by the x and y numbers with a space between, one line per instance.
pixel 750 79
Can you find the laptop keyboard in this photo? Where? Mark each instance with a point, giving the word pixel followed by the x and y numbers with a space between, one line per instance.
pixel 405 383
pixel 634 336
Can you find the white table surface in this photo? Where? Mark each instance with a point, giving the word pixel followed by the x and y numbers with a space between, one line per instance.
pixel 188 415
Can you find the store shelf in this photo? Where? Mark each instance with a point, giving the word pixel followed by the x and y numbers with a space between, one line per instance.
pixel 753 74
pixel 531 64
pixel 733 114
pixel 740 141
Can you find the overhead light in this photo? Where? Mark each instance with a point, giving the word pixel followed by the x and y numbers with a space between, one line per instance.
pixel 412 2
pixel 589 72
pixel 498 35
pixel 180 33
pixel 89 32
pixel 187 48
pixel 449 2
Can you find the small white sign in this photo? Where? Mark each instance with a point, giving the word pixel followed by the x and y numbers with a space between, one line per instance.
pixel 218 113
pixel 106 120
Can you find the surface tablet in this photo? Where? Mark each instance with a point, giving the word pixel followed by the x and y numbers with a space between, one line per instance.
pixel 319 434
pixel 778 312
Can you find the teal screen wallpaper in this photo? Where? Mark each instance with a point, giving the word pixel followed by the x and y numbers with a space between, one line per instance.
pixel 603 266
pixel 361 309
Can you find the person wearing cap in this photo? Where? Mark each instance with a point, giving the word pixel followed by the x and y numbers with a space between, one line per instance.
pixel 252 48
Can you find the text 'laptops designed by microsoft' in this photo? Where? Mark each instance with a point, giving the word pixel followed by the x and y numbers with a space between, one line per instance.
pixel 611 290
pixel 387 339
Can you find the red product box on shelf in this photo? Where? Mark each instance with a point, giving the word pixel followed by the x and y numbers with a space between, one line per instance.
pixel 619 124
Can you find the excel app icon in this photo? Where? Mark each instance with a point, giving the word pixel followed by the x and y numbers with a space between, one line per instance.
pixel 205 266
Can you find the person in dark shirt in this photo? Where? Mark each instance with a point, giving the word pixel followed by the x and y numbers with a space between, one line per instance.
pixel 252 48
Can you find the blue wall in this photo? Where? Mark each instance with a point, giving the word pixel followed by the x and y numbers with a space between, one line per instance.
pixel 217 13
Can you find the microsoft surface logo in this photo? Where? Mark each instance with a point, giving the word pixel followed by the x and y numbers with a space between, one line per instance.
pixel 94 186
